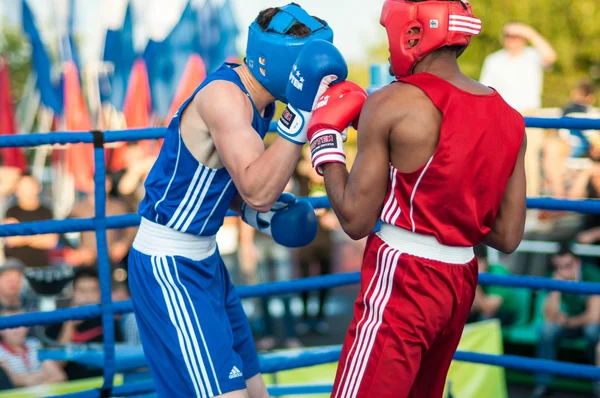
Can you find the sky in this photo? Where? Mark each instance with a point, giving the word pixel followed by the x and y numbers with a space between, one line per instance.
pixel 355 22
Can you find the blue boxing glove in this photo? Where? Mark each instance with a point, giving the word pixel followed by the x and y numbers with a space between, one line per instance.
pixel 290 222
pixel 318 65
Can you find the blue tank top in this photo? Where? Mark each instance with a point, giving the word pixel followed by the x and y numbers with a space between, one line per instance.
pixel 182 193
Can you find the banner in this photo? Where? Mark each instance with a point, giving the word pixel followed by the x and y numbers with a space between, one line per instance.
pixel 465 380
pixel 470 380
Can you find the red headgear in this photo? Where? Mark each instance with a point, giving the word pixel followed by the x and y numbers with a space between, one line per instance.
pixel 438 23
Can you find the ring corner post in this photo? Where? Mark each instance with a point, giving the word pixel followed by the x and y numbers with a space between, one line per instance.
pixel 104 270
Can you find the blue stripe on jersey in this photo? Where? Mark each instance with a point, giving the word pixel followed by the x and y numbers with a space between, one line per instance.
pixel 182 193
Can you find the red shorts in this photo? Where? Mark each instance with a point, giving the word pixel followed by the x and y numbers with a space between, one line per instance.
pixel 408 319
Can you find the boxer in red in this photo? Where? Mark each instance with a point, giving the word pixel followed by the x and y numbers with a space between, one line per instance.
pixel 441 163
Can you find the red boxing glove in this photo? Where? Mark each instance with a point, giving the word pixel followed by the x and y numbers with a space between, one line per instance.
pixel 338 107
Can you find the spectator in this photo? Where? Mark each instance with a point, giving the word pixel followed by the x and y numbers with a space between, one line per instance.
pixel 493 301
pixel 9 178
pixel 129 181
pixel 552 226
pixel 11 283
pixel 587 185
pixel 516 71
pixel 33 251
pixel 19 357
pixel 318 253
pixel 118 240
pixel 275 264
pixel 127 323
pixel 568 315
pixel 86 291
pixel 582 99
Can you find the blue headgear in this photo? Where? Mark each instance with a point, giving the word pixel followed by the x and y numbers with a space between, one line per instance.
pixel 271 54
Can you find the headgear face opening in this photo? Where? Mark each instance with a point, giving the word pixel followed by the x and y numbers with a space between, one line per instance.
pixel 417 29
pixel 271 54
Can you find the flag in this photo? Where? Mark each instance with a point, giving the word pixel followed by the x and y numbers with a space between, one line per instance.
pixel 136 109
pixel 119 51
pixel 49 92
pixel 11 157
pixel 80 157
pixel 138 104
pixel 166 60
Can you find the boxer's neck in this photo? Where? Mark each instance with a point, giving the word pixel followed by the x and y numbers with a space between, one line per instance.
pixel 439 64
pixel 258 93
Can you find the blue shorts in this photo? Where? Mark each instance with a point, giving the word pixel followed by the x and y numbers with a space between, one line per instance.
pixel 194 331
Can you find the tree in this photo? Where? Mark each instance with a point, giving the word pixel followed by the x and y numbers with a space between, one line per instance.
pixel 571 26
pixel 15 46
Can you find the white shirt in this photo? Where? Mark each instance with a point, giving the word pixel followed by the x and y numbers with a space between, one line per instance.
pixel 24 363
pixel 518 79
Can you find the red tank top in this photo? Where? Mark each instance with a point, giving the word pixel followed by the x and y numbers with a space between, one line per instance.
pixel 456 195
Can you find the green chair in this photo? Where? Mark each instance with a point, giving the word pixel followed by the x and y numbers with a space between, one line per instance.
pixel 529 333
pixel 518 300
pixel 524 330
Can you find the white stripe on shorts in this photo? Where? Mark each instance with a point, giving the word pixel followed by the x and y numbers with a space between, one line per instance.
pixel 366 331
pixel 185 291
pixel 188 326
pixel 175 317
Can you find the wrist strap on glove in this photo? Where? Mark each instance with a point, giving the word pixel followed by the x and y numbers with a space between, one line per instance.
pixel 262 221
pixel 327 146
pixel 293 124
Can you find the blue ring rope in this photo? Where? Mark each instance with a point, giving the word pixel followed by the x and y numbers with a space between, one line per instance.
pixel 36 139
pixel 295 286
pixel 104 268
pixel 588 206
pixel 79 137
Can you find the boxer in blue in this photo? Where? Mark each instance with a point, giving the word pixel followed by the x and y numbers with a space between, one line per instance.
pixel 194 331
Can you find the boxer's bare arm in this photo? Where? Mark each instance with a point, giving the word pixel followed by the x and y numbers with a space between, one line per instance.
pixel 507 230
pixel 260 176
pixel 357 197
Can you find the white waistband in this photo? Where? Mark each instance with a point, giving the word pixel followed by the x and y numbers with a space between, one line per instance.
pixel 423 246
pixel 157 240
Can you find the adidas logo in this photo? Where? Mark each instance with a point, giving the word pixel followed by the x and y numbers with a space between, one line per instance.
pixel 235 372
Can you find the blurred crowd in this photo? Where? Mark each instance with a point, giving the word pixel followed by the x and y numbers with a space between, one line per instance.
pixel 44 272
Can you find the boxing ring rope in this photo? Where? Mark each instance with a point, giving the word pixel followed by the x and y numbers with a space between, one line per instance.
pixel 275 362
pixel 75 137
pixel 291 287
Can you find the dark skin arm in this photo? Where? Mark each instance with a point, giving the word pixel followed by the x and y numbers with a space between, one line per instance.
pixel 509 225
pixel 357 197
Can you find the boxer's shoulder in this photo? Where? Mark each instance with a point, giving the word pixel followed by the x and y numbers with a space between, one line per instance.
pixel 405 113
pixel 222 99
pixel 398 103
pixel 400 96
